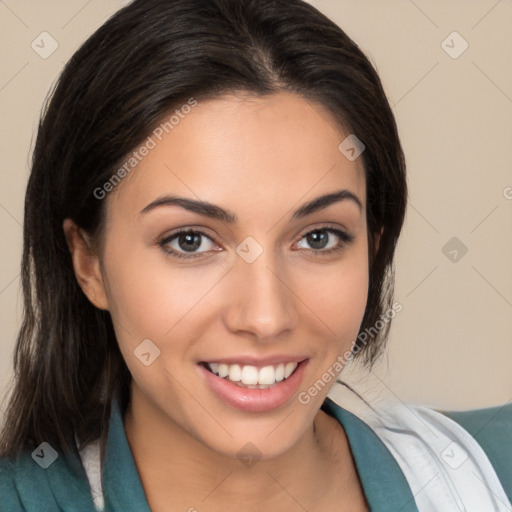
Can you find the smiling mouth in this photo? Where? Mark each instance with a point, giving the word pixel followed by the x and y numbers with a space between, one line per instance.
pixel 252 377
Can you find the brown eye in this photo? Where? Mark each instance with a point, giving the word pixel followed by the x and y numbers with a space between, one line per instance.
pixel 318 239
pixel 189 241
pixel 325 240
pixel 185 244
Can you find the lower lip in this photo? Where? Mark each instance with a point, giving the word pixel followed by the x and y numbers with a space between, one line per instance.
pixel 255 400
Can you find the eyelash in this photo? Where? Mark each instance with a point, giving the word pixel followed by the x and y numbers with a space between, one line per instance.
pixel 345 239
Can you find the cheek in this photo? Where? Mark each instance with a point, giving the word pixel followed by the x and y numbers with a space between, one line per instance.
pixel 152 298
pixel 337 294
pixel 341 308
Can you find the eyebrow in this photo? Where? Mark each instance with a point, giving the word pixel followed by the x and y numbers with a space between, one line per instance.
pixel 216 212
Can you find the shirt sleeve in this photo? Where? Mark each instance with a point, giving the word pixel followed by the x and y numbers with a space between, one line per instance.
pixel 9 498
pixel 491 427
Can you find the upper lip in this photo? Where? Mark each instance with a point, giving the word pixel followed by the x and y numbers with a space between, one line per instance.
pixel 249 360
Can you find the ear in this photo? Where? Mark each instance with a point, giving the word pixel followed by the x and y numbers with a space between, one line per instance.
pixel 86 264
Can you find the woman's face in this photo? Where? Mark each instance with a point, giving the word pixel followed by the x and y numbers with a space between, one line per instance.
pixel 272 285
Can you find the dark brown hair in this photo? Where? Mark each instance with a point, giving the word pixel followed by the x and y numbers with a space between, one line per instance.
pixel 146 60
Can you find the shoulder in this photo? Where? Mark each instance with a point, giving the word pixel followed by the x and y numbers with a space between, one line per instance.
pixel 11 500
pixel 25 484
pixel 491 427
pixel 469 451
pixel 476 466
pixel 43 480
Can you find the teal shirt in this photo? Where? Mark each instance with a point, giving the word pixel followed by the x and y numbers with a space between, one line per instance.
pixel 63 486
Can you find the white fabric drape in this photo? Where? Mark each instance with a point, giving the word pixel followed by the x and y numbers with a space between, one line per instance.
pixel 447 470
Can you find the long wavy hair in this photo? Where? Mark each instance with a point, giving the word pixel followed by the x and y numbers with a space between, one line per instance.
pixel 148 59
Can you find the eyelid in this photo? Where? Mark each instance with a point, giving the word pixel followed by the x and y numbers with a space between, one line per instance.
pixel 325 227
pixel 183 230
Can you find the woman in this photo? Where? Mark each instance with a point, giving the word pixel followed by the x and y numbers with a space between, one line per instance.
pixel 216 194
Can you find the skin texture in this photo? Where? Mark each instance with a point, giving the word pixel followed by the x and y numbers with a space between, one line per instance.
pixel 261 158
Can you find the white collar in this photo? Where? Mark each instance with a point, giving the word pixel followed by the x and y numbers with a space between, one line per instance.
pixel 447 470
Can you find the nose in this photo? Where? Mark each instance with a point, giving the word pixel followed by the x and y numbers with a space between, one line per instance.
pixel 262 302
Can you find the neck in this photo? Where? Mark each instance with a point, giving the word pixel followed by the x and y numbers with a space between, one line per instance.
pixel 175 467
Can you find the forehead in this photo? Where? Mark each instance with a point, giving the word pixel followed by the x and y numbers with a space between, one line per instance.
pixel 243 151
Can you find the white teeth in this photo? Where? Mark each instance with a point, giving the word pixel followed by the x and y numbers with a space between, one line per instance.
pixel 251 376
pixel 288 369
pixel 267 375
pixel 223 370
pixel 279 372
pixel 235 373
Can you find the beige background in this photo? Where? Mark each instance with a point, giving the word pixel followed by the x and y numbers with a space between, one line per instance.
pixel 451 344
